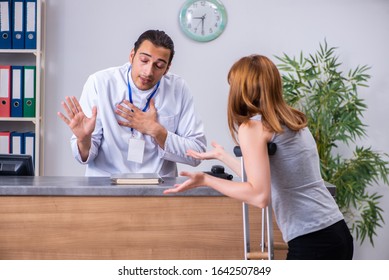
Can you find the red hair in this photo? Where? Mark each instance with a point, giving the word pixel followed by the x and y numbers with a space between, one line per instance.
pixel 256 88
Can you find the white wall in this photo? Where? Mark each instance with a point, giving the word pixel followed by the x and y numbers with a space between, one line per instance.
pixel 85 36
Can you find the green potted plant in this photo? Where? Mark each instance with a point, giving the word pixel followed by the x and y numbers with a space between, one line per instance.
pixel 316 85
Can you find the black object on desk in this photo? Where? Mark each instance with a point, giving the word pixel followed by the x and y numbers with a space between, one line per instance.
pixel 218 171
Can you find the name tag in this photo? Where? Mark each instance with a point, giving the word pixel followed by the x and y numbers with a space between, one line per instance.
pixel 136 149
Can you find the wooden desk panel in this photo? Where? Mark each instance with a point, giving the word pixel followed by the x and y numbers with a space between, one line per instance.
pixel 71 227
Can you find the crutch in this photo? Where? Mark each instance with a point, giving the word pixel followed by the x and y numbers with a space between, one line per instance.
pixel 267 248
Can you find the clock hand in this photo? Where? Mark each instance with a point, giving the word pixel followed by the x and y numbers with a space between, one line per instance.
pixel 198 24
pixel 202 17
pixel 202 24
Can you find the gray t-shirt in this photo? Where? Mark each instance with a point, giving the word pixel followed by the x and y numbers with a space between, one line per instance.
pixel 301 202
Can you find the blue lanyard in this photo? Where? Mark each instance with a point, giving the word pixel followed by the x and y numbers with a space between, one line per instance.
pixel 130 91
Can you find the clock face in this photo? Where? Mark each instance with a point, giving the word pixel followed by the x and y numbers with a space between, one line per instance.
pixel 203 20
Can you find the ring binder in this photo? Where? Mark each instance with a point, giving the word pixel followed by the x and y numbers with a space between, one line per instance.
pixel 5 24
pixel 30 24
pixel 18 24
pixel 16 91
pixel 5 91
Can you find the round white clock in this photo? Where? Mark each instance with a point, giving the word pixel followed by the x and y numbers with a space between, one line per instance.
pixel 203 21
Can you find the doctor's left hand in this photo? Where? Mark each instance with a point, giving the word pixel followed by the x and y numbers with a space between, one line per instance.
pixel 144 122
pixel 136 118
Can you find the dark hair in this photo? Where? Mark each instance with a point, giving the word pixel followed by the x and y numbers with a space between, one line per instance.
pixel 158 38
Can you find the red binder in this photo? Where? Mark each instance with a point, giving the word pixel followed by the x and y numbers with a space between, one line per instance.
pixel 5 91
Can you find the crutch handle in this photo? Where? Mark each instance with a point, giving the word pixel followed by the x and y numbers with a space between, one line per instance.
pixel 271 149
pixel 237 151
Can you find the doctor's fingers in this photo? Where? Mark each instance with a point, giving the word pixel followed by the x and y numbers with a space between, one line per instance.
pixel 73 104
pixel 75 114
pixel 67 108
pixel 126 108
pixel 123 112
pixel 129 106
pixel 62 117
pixel 126 124
pixel 74 120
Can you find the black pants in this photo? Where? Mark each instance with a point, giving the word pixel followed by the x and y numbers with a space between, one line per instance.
pixel 332 243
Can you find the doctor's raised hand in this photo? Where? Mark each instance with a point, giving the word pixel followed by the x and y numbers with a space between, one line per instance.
pixel 81 126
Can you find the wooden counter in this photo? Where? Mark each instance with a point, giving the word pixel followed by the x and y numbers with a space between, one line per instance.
pixel 88 218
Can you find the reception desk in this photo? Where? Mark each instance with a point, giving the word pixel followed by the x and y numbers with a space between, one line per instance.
pixel 88 218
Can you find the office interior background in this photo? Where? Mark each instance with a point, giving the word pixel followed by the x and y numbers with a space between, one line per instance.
pixel 83 37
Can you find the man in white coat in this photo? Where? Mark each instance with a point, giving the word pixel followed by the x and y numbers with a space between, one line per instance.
pixel 135 118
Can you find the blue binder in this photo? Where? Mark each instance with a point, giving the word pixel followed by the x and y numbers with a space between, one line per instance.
pixel 17 90
pixel 18 18
pixel 5 24
pixel 17 143
pixel 30 24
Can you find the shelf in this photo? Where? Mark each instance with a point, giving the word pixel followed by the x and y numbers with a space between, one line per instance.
pixel 6 51
pixel 30 57
pixel 18 119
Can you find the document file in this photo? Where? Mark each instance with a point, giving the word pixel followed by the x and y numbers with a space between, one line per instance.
pixel 30 36
pixel 5 91
pixel 17 91
pixel 18 19
pixel 29 144
pixel 5 24
pixel 17 143
pixel 5 142
pixel 29 92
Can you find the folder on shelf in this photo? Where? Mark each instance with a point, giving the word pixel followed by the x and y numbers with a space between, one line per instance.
pixel 30 24
pixel 17 143
pixel 5 91
pixel 16 91
pixel 29 144
pixel 5 137
pixel 29 92
pixel 5 24
pixel 18 25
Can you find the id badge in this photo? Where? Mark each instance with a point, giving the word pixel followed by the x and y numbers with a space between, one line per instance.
pixel 136 149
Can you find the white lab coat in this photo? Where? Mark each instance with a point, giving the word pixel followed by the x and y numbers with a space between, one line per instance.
pixel 174 103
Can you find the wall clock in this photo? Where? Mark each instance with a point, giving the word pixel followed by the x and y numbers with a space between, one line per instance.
pixel 203 21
